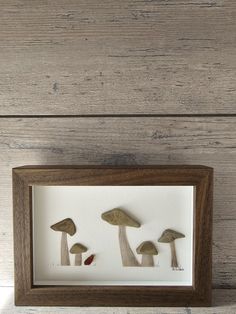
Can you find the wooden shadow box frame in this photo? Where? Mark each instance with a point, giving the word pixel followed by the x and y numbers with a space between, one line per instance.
pixel 26 293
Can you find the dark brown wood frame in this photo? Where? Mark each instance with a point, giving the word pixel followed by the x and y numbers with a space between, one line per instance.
pixel 26 293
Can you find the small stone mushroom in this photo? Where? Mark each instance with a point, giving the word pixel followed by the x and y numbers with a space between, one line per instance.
pixel 147 249
pixel 65 226
pixel 119 218
pixel 78 249
pixel 169 236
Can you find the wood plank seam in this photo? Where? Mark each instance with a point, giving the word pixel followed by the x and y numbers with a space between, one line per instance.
pixel 121 116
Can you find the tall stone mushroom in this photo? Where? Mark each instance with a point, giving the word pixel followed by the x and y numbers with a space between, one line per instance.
pixel 78 249
pixel 119 218
pixel 147 249
pixel 65 226
pixel 169 236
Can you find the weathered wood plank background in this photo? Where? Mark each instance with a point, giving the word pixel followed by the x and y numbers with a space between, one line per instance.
pixel 121 82
pixel 109 57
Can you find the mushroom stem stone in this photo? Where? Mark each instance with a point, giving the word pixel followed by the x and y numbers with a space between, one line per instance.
pixel 169 236
pixel 127 255
pixel 78 249
pixel 65 259
pixel 174 262
pixel 119 218
pixel 147 260
pixel 78 259
pixel 65 226
pixel 147 249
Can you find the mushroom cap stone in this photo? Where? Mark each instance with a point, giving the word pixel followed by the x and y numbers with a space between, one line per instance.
pixel 67 225
pixel 147 247
pixel 118 217
pixel 170 235
pixel 78 248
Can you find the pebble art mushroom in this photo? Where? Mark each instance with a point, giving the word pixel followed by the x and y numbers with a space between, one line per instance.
pixel 65 226
pixel 78 249
pixel 169 236
pixel 119 218
pixel 148 250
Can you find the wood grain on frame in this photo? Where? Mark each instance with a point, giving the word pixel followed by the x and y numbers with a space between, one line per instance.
pixel 223 302
pixel 28 294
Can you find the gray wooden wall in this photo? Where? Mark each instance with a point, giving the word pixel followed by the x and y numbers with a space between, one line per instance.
pixel 121 82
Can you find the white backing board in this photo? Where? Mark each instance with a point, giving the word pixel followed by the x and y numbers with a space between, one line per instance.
pixel 155 207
